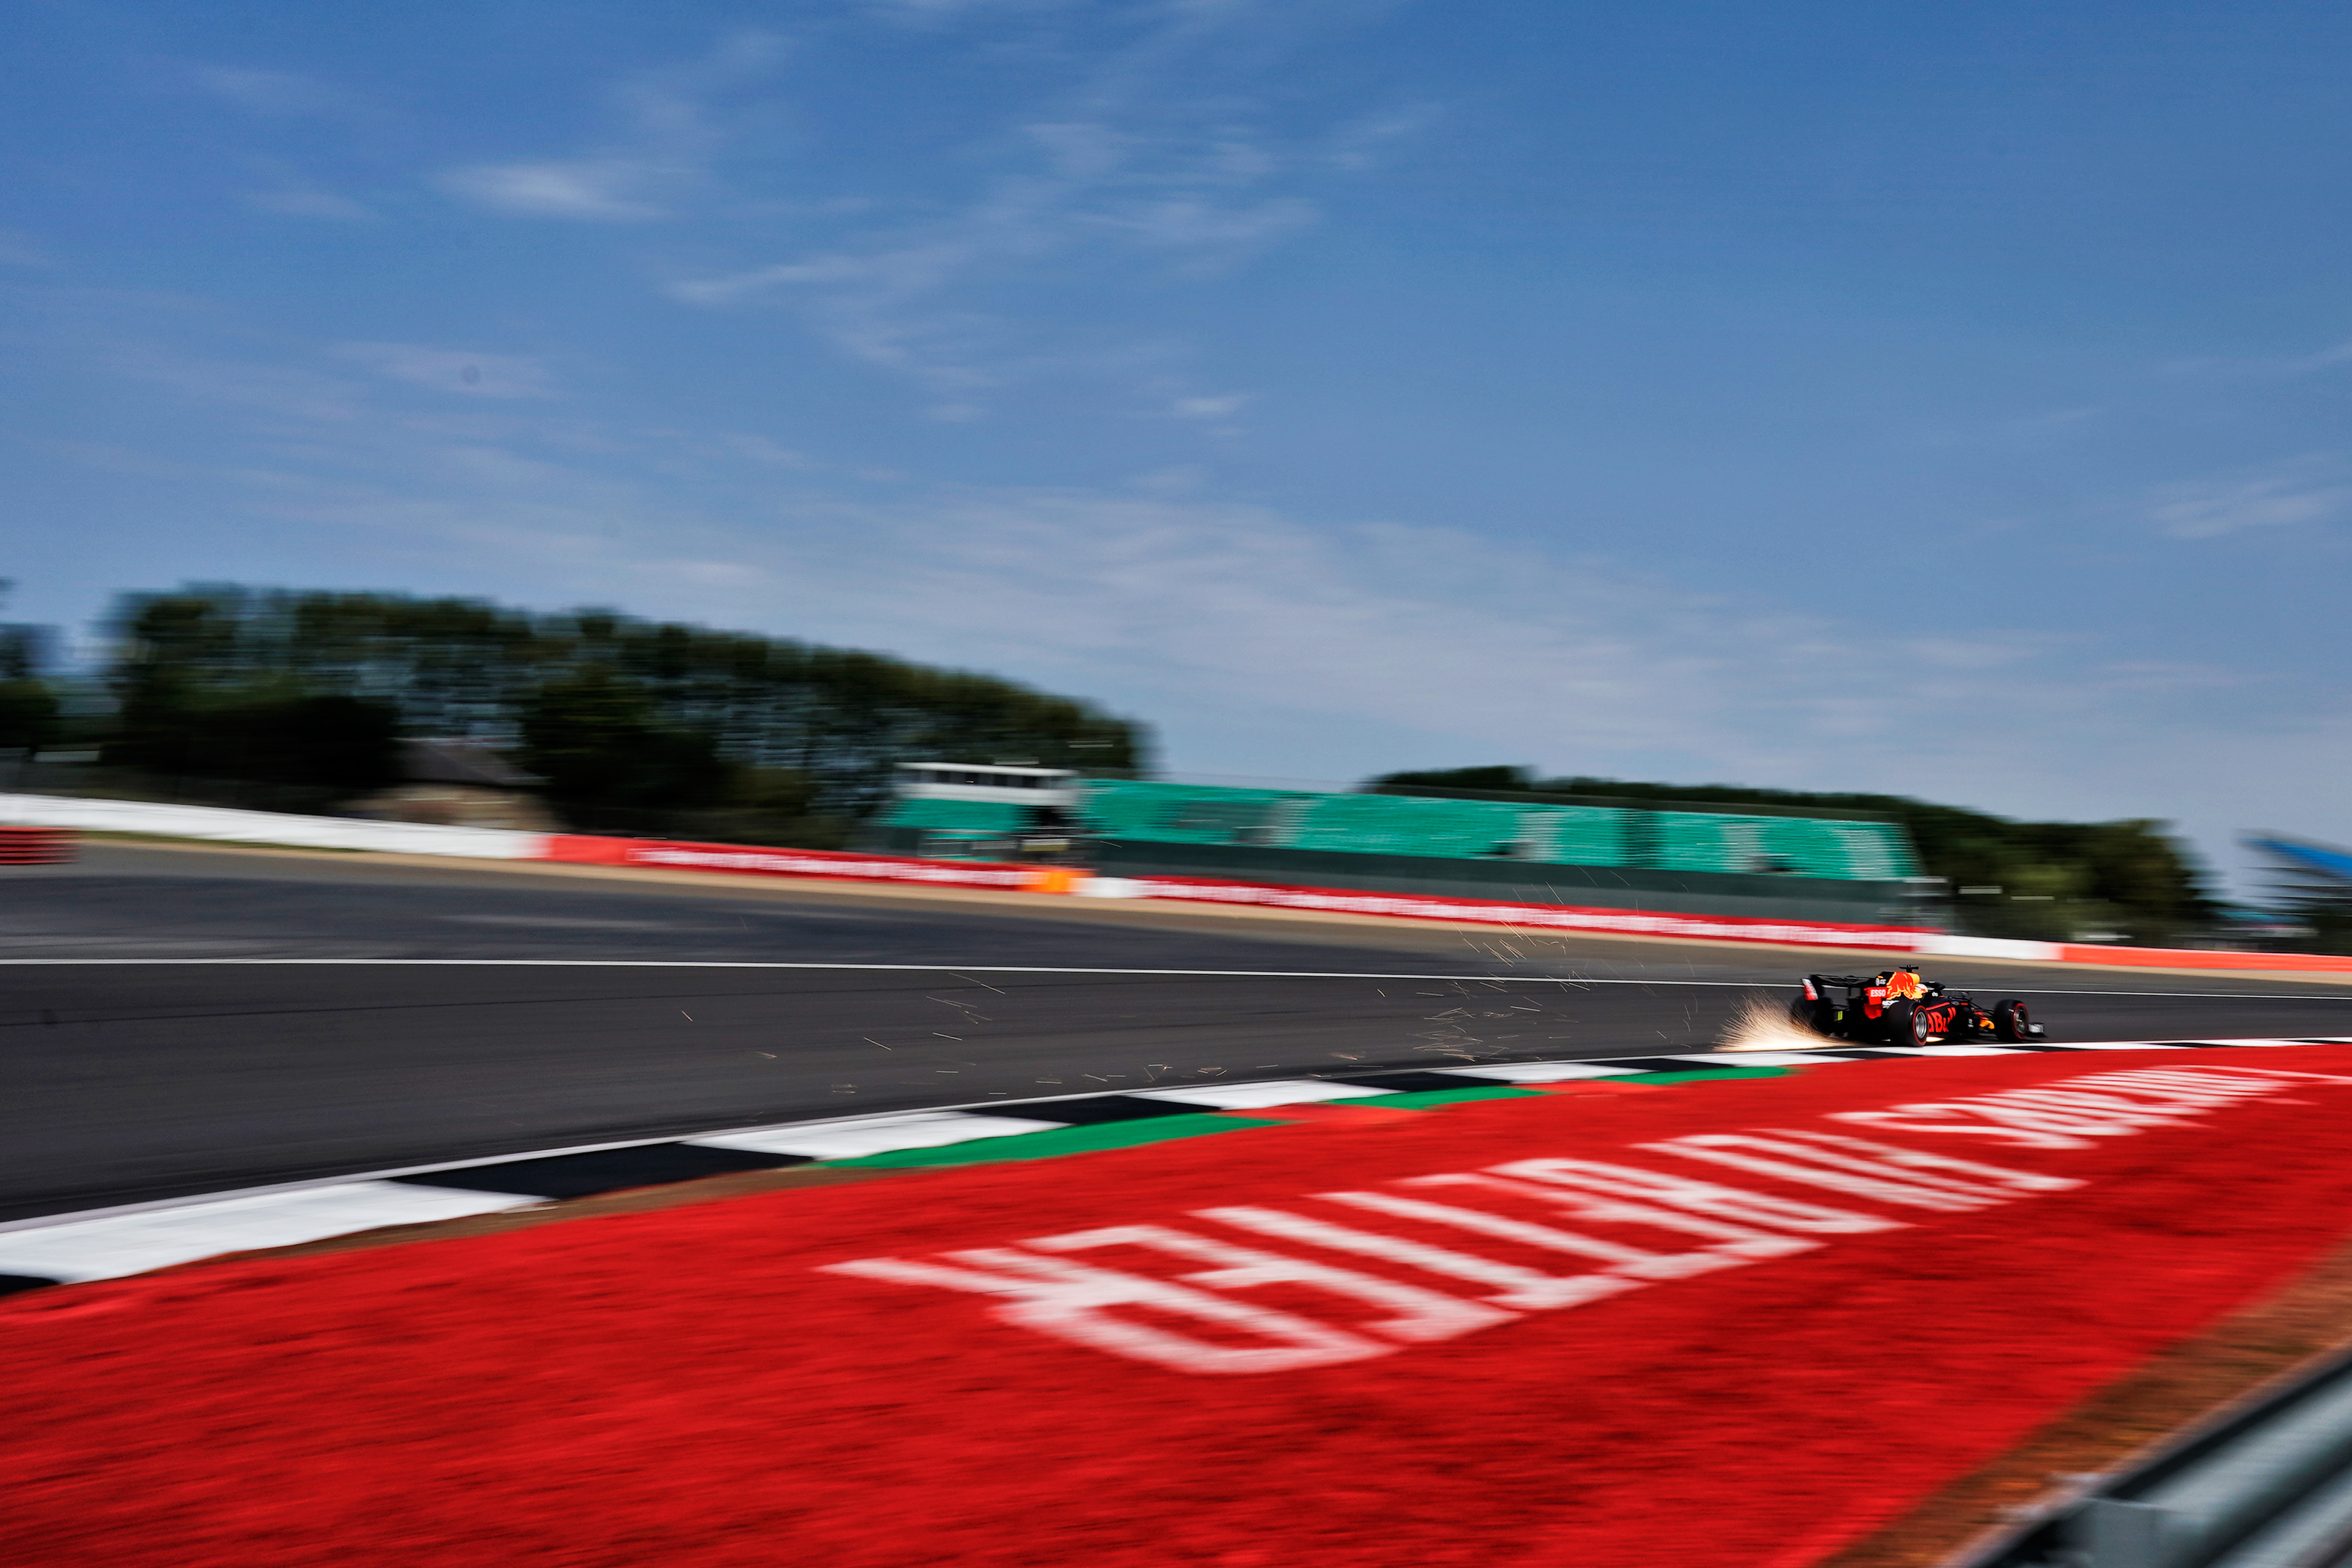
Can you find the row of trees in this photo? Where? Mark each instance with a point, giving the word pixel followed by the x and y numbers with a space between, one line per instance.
pixel 28 709
pixel 666 727
pixel 2055 879
pixel 627 721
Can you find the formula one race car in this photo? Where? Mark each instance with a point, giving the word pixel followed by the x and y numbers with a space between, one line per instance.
pixel 1895 1007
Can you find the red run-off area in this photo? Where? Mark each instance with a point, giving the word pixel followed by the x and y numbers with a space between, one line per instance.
pixel 1584 1345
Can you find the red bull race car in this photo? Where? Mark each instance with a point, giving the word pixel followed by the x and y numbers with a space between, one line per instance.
pixel 1896 1007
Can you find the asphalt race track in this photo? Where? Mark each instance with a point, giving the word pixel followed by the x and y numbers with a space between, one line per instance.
pixel 469 1012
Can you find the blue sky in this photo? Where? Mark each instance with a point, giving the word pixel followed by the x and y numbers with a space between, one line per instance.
pixel 1949 401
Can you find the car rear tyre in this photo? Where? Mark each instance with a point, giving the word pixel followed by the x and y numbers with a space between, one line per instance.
pixel 1906 1026
pixel 2013 1023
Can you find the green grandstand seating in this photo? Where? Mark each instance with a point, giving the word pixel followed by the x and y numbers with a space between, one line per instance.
pixel 1575 834
pixel 1189 814
pixel 1145 812
pixel 1409 825
pixel 1706 841
pixel 1874 851
pixel 1792 846
pixel 1795 845
pixel 975 817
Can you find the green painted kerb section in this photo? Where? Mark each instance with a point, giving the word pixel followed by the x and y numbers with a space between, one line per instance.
pixel 1062 1141
pixel 1431 1098
pixel 1164 1129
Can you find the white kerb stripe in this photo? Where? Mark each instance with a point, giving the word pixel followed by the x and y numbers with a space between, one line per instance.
pixel 878 1137
pixel 1947 1050
pixel 134 1243
pixel 1536 1072
pixel 1738 1058
pixel 1254 1096
pixel 2259 1042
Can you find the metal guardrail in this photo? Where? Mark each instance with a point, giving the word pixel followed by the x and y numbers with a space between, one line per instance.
pixel 2265 1485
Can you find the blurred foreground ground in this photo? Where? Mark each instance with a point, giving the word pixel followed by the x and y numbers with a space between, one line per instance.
pixel 697 1383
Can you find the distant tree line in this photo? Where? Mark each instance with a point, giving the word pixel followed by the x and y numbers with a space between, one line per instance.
pixel 28 708
pixel 2055 878
pixel 663 728
pixel 626 721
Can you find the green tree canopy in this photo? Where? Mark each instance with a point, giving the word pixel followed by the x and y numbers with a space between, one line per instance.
pixel 29 707
pixel 611 710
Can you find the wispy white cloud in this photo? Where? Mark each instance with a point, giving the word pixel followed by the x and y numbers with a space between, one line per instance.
pixel 658 157
pixel 2307 489
pixel 1425 642
pixel 308 201
pixel 1260 641
pixel 760 449
pixel 899 300
pixel 279 391
pixel 933 12
pixel 2263 366
pixel 1365 144
pixel 1178 479
pixel 599 190
pixel 1131 173
pixel 913 268
pixel 452 370
pixel 1160 597
pixel 271 93
pixel 1214 235
pixel 19 249
pixel 1209 407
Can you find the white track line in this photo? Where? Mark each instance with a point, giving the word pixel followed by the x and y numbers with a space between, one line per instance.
pixel 1037 969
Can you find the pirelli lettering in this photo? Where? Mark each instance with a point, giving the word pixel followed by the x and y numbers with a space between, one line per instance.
pixel 1248 1289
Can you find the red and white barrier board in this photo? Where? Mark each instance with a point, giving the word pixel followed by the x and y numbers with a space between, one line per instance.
pixel 743 860
pixel 755 860
pixel 35 846
pixel 1534 917
pixel 223 825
